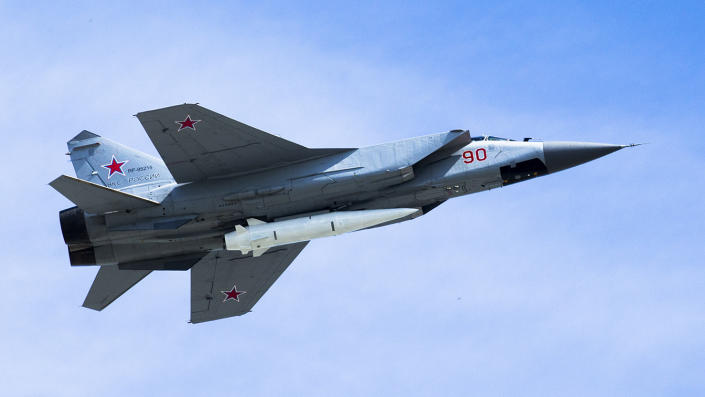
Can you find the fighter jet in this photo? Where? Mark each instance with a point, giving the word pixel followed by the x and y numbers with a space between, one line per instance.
pixel 236 205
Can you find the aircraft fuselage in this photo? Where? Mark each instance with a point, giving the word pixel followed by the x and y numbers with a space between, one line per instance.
pixel 369 178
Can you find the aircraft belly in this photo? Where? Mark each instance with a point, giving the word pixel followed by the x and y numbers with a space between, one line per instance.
pixel 116 254
pixel 484 179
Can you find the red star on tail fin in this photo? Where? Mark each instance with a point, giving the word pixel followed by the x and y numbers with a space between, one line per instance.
pixel 115 166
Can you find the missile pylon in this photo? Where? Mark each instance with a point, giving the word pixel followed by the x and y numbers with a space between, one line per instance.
pixel 259 236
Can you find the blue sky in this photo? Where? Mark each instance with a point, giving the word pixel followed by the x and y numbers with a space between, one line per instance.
pixel 587 282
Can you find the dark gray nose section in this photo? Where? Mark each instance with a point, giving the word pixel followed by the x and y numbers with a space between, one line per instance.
pixel 562 155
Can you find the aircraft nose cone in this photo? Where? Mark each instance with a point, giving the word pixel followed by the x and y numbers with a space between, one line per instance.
pixel 562 155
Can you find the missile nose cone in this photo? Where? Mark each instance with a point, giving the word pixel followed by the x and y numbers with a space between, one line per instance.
pixel 563 155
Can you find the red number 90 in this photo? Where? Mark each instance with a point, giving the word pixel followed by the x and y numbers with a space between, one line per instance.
pixel 480 154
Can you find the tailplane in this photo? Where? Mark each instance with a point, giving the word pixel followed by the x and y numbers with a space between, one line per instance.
pixel 104 162
pixel 97 199
pixel 109 284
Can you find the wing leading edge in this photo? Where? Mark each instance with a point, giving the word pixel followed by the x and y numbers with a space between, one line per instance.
pixel 226 283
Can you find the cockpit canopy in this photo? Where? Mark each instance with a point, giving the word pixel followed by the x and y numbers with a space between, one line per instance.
pixel 490 138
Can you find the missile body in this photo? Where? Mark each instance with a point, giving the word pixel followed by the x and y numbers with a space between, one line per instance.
pixel 259 236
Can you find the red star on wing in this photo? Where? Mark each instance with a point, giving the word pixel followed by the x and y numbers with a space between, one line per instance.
pixel 115 166
pixel 233 294
pixel 187 123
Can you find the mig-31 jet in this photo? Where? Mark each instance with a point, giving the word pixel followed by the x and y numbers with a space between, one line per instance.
pixel 236 205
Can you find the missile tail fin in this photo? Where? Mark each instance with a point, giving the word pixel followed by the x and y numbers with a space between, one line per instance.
pixel 240 229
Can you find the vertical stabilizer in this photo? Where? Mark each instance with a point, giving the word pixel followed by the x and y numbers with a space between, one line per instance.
pixel 104 162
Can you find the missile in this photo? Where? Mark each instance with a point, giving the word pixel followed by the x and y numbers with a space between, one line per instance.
pixel 259 236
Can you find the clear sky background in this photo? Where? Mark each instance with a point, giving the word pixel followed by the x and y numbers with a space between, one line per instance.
pixel 587 282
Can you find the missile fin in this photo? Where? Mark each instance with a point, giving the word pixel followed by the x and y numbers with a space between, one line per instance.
pixel 259 252
pixel 240 229
pixel 254 221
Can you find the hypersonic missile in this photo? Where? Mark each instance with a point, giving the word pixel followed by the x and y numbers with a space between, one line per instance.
pixel 259 236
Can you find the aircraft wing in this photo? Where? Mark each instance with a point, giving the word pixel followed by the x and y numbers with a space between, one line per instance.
pixel 227 283
pixel 197 143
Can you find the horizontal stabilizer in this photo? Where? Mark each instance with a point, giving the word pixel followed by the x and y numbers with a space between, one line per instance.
pixel 97 199
pixel 109 284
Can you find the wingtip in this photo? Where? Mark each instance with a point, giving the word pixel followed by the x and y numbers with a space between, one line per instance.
pixel 633 145
pixel 55 180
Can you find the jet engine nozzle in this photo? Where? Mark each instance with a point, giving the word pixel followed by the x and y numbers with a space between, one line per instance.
pixel 73 226
pixel 562 155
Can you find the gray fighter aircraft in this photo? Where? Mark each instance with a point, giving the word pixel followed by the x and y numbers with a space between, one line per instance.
pixel 236 205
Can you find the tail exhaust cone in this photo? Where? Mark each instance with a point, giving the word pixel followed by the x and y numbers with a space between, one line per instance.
pixel 562 155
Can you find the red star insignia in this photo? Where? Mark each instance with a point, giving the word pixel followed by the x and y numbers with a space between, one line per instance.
pixel 187 123
pixel 115 166
pixel 233 294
